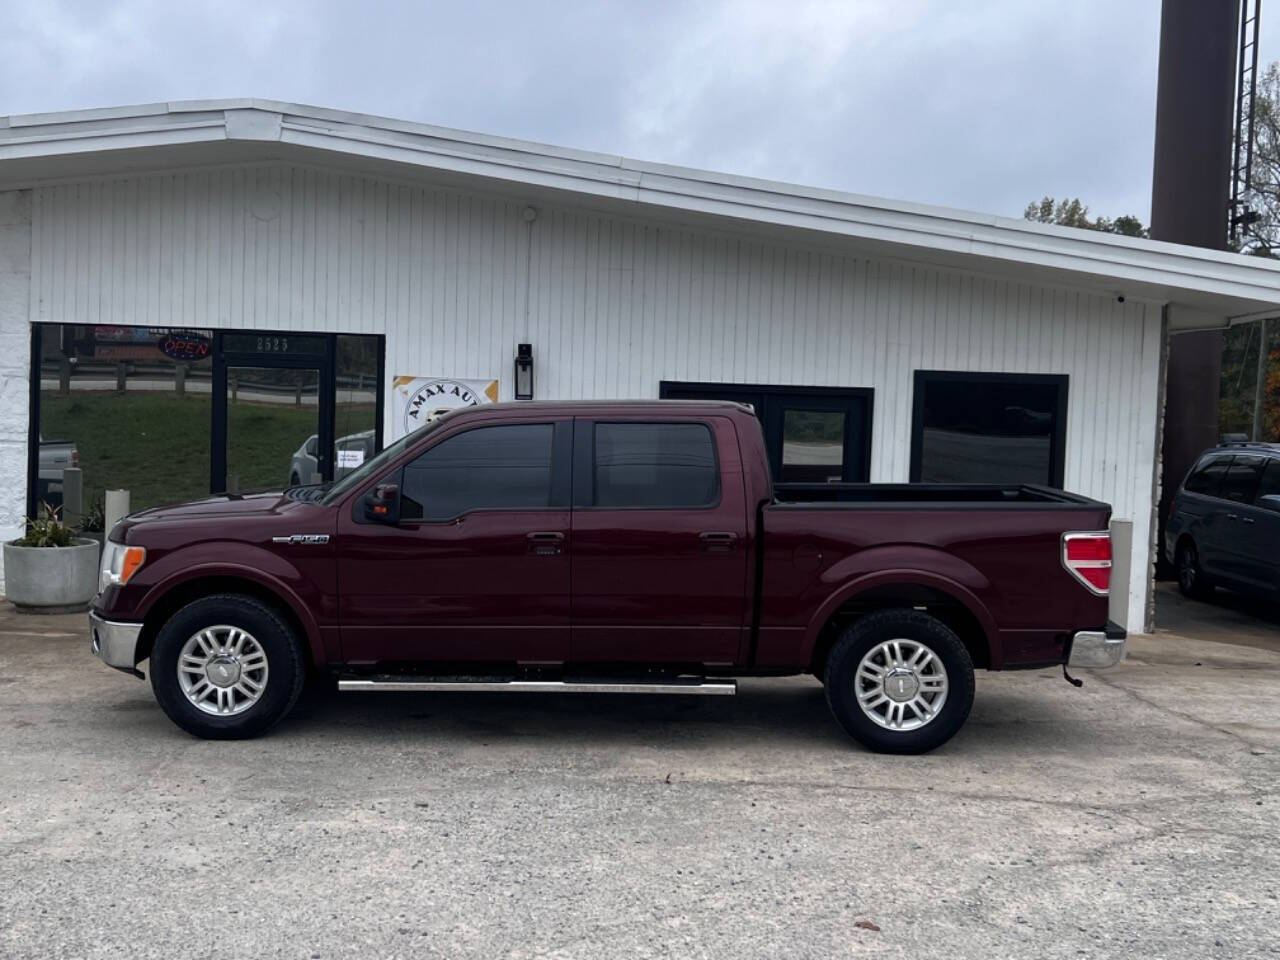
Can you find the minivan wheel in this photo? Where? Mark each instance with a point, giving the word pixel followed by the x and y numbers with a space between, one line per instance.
pixel 226 667
pixel 899 681
pixel 1190 579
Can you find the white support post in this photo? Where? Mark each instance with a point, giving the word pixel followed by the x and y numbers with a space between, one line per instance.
pixel 1121 571
pixel 115 509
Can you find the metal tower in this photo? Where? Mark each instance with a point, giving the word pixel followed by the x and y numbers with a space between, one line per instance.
pixel 1246 90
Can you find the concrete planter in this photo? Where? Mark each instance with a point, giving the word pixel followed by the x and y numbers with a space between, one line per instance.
pixel 51 579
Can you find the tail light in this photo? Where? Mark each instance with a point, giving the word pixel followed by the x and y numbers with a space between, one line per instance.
pixel 75 457
pixel 1087 557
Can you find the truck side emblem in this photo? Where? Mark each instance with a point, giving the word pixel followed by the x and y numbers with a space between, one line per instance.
pixel 302 538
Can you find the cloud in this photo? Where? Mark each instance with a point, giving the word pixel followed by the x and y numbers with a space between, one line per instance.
pixel 985 104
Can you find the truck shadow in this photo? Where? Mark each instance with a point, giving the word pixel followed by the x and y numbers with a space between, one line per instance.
pixel 789 713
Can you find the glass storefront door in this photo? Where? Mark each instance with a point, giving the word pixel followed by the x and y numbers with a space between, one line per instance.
pixel 273 428
pixel 273 411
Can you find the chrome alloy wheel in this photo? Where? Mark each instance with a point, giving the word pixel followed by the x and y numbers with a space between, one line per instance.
pixel 901 684
pixel 222 670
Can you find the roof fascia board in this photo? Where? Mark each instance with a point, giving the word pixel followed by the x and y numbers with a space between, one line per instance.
pixel 1101 257
pixel 197 131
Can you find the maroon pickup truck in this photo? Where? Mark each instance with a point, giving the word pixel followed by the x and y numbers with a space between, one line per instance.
pixel 604 546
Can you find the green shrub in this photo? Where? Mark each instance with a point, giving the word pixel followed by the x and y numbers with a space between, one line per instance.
pixel 47 530
pixel 95 519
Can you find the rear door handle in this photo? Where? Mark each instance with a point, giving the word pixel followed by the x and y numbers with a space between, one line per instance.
pixel 545 544
pixel 718 541
pixel 1236 516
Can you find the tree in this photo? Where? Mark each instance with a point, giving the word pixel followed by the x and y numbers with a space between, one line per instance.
pixel 1263 236
pixel 1073 213
pixel 1251 354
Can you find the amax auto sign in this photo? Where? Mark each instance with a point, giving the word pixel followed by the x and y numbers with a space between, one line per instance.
pixel 419 400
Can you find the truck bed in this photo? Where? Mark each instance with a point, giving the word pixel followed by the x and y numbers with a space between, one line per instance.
pixel 927 495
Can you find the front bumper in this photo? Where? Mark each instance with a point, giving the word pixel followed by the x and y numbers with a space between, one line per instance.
pixel 1097 648
pixel 115 644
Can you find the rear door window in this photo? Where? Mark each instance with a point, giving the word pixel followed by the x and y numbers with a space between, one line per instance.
pixel 1241 482
pixel 1208 476
pixel 655 465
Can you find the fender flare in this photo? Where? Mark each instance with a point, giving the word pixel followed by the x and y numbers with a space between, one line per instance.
pixel 254 575
pixel 907 576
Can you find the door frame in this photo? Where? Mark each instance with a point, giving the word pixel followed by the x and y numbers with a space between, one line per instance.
pixel 770 415
pixel 323 364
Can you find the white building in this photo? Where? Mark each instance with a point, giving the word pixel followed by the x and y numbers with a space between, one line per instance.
pixel 146 251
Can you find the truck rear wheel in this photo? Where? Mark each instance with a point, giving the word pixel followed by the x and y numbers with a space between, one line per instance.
pixel 226 667
pixel 899 681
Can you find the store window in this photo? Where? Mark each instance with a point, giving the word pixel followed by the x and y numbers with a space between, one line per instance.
pixel 988 428
pixel 173 414
pixel 130 406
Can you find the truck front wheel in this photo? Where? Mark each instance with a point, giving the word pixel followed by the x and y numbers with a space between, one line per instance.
pixel 899 681
pixel 226 667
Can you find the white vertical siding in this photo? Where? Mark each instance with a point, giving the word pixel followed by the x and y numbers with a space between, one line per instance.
pixel 611 305
pixel 15 351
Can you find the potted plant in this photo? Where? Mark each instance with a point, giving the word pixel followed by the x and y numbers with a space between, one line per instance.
pixel 50 569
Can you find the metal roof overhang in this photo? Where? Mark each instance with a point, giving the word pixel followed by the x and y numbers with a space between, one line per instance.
pixel 1203 288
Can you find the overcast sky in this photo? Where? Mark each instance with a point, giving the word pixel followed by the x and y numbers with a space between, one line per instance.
pixel 981 104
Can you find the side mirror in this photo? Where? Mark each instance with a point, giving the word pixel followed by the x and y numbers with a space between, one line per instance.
pixel 1270 502
pixel 382 503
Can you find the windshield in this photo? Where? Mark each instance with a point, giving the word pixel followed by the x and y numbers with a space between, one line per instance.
pixel 371 466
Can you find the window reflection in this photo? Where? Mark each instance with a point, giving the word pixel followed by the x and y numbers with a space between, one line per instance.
pixel 131 406
pixel 988 428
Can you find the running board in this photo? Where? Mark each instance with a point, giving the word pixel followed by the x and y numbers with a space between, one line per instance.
pixel 713 688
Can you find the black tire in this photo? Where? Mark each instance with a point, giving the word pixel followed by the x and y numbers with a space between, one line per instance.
pixel 295 480
pixel 1191 581
pixel 286 667
pixel 863 635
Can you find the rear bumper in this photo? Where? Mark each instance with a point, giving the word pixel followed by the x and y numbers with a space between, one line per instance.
pixel 1097 648
pixel 115 644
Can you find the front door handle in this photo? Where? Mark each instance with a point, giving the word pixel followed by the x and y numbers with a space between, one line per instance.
pixel 718 541
pixel 545 544
pixel 1236 516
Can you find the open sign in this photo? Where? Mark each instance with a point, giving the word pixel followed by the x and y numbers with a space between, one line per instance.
pixel 185 345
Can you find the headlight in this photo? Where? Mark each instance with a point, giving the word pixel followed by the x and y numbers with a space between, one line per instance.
pixel 119 563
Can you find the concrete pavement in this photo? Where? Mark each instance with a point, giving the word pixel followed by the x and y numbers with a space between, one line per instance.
pixel 1136 817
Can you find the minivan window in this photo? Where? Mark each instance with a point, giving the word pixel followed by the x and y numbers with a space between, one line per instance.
pixel 506 467
pixel 1206 478
pixel 1241 481
pixel 655 465
pixel 1270 485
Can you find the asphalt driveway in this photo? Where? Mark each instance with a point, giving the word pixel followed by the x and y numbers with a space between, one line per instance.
pixel 1138 816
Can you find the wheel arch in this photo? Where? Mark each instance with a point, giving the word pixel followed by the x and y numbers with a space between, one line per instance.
pixel 950 602
pixel 177 594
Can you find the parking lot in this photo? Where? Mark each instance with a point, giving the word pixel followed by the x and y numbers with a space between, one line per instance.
pixel 1137 816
